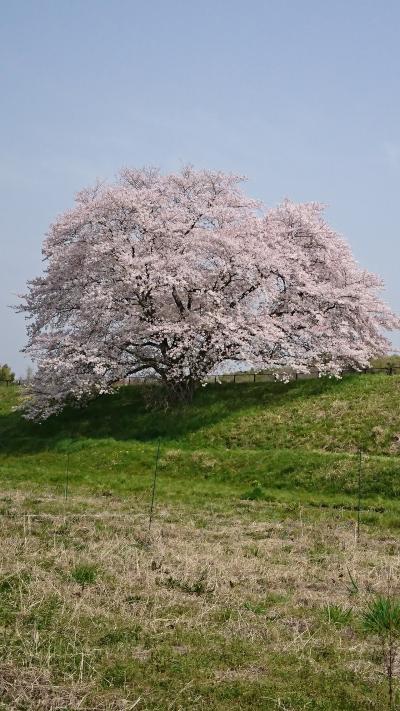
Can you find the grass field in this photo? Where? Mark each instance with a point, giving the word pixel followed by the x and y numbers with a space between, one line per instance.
pixel 247 591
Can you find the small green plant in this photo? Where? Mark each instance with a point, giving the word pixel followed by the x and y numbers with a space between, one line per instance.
pixel 84 574
pixel 382 620
pixel 337 615
pixel 256 493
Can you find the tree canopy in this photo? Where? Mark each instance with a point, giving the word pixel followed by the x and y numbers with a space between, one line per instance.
pixel 177 274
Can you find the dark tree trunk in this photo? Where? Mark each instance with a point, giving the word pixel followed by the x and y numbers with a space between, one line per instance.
pixel 181 391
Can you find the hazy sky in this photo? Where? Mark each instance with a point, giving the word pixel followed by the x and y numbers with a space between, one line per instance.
pixel 302 96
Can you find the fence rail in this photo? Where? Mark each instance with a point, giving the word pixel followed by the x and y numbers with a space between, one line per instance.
pixel 248 377
pixel 270 377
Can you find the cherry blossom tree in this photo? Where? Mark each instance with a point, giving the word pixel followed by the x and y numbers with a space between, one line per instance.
pixel 178 274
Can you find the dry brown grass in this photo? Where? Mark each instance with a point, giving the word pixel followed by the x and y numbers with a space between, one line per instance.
pixel 262 576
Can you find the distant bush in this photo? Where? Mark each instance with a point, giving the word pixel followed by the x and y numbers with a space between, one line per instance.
pixel 386 361
pixel 6 373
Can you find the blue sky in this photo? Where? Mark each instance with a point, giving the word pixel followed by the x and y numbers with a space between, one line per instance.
pixel 302 96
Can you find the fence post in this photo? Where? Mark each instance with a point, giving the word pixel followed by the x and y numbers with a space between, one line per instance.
pixel 66 489
pixel 254 377
pixel 234 377
pixel 359 496
pixel 153 492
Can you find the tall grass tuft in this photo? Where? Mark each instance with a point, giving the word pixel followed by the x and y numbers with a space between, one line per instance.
pixel 382 619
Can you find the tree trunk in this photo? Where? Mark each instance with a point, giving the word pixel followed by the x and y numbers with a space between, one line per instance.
pixel 182 391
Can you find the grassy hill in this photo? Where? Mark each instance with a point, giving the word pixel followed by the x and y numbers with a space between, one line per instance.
pixel 300 437
pixel 248 590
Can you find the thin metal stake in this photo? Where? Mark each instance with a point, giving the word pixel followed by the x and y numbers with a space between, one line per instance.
pixel 359 495
pixel 153 493
pixel 66 478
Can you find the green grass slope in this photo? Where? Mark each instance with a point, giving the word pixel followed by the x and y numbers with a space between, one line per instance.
pixel 298 439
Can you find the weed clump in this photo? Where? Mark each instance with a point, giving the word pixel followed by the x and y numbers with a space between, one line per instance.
pixel 337 615
pixel 256 493
pixel 84 574
pixel 382 620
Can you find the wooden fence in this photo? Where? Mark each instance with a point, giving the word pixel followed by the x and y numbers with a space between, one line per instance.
pixel 249 377
pixel 269 377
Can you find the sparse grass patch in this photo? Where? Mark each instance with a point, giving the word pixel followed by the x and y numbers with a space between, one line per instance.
pixel 196 618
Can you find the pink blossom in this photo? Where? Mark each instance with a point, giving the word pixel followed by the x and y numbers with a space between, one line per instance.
pixel 178 274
